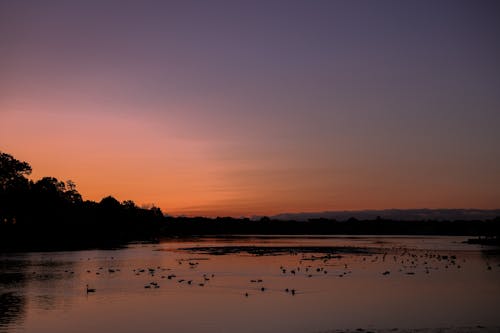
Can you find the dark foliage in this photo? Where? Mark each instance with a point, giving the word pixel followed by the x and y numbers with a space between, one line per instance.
pixel 50 213
pixel 228 226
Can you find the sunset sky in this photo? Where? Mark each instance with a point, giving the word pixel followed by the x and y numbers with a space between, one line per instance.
pixel 257 107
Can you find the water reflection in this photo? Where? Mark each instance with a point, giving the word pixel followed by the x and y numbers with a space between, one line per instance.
pixel 12 309
pixel 12 300
pixel 253 284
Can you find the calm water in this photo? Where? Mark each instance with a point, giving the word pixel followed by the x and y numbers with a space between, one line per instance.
pixel 429 282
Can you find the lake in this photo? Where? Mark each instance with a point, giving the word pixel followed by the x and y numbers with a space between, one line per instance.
pixel 256 284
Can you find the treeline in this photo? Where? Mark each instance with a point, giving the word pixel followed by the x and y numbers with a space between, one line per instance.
pixel 51 213
pixel 228 226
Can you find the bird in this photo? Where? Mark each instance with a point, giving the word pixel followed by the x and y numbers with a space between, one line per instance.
pixel 90 290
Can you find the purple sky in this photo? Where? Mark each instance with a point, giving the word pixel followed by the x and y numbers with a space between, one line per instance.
pixel 257 107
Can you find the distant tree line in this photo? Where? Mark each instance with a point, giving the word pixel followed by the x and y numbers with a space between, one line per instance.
pixel 49 213
pixel 182 226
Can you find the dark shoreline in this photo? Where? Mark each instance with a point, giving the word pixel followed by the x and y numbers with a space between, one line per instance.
pixel 120 244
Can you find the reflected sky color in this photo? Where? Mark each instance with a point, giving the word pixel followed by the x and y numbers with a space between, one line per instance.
pixel 231 108
pixel 460 291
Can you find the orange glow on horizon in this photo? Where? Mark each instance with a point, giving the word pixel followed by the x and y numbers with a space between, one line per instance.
pixel 134 159
pixel 247 109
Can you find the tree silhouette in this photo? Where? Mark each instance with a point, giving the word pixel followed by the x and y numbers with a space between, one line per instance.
pixel 12 171
pixel 51 213
pixel 14 187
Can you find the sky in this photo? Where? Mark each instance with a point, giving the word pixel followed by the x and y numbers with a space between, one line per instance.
pixel 257 107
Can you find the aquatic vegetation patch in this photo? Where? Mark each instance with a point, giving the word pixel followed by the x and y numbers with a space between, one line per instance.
pixel 279 250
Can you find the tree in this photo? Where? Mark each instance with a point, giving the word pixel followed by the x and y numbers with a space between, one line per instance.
pixel 14 187
pixel 129 204
pixel 12 171
pixel 49 212
pixel 71 193
pixel 50 185
pixel 109 202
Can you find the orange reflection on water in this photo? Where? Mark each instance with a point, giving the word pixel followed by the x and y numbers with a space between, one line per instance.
pixel 432 282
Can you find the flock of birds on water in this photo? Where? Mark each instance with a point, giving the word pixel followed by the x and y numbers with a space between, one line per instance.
pixel 408 263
